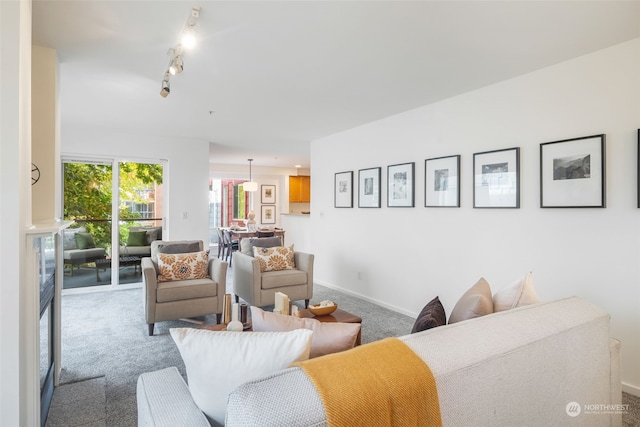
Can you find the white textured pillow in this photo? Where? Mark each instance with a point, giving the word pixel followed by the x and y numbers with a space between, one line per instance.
pixel 520 292
pixel 218 362
pixel 327 337
pixel 476 302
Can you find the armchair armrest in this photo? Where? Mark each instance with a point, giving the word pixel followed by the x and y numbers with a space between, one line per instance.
pixel 246 277
pixel 304 262
pixel 218 273
pixel 149 286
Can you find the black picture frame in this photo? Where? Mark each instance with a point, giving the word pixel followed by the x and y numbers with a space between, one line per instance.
pixel 496 179
pixel 573 173
pixel 369 194
pixel 442 182
pixel 401 185
pixel 267 194
pixel 343 189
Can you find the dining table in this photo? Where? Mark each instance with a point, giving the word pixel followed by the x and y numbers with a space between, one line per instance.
pixel 242 233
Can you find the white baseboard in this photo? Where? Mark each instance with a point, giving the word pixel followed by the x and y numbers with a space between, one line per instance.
pixel 366 298
pixel 628 388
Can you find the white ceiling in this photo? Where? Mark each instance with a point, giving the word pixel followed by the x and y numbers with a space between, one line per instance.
pixel 268 77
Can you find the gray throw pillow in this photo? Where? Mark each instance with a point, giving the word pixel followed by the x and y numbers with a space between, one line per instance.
pixel 179 248
pixel 247 244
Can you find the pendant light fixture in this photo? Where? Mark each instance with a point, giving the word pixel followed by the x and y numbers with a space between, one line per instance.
pixel 250 185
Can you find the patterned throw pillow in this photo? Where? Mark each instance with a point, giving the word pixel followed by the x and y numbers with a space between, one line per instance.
pixel 275 259
pixel 185 266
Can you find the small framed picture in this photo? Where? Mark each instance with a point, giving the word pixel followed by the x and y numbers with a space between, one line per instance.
pixel 369 188
pixel 496 179
pixel 572 173
pixel 268 194
pixel 400 185
pixel 442 182
pixel 344 190
pixel 268 214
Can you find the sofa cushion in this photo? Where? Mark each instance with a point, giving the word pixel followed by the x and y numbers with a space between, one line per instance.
pixel 520 292
pixel 327 337
pixel 69 237
pixel 218 362
pixel 277 279
pixel 85 241
pixel 431 316
pixel 141 251
pixel 476 302
pixel 275 258
pixel 153 233
pixel 183 266
pixel 177 290
pixel 137 238
pixel 248 243
pixel 77 255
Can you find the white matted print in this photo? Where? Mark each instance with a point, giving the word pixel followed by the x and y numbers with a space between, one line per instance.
pixel 369 188
pixel 496 179
pixel 343 196
pixel 268 214
pixel 400 185
pixel 572 173
pixel 442 182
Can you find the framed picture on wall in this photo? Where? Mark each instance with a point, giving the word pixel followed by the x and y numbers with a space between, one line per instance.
pixel 343 196
pixel 268 194
pixel 369 188
pixel 572 173
pixel 400 185
pixel 442 182
pixel 268 214
pixel 496 179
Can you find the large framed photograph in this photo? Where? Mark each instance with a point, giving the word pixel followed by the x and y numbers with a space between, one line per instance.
pixel 369 188
pixel 268 214
pixel 267 194
pixel 442 182
pixel 400 185
pixel 572 173
pixel 343 190
pixel 496 179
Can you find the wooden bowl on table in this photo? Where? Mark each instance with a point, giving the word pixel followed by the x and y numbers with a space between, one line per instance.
pixel 322 311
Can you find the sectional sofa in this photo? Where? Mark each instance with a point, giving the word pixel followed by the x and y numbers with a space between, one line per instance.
pixel 550 363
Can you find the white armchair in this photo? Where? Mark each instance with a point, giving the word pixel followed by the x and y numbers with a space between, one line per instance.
pixel 259 288
pixel 181 298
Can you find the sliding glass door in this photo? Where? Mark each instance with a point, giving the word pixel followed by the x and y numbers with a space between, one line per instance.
pixel 117 210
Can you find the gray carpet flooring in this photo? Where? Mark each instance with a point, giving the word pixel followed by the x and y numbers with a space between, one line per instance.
pixel 105 347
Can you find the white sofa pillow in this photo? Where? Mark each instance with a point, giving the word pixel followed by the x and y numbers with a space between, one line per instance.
pixel 218 362
pixel 520 292
pixel 327 337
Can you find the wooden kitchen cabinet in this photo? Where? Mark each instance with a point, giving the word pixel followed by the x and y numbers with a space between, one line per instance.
pixel 299 189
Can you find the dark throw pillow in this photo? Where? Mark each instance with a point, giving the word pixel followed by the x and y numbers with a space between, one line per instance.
pixel 137 238
pixel 85 241
pixel 431 316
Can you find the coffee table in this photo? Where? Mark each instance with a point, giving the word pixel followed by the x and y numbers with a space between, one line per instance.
pixel 339 315
pixel 125 261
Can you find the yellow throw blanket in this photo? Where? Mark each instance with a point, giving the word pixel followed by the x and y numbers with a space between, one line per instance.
pixel 383 383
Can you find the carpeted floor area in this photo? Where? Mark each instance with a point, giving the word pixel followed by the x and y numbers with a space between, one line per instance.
pixel 105 347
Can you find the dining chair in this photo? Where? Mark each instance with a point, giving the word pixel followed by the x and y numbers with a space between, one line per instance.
pixel 221 247
pixel 230 246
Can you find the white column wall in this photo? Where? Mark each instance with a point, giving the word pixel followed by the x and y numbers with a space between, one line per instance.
pixel 403 257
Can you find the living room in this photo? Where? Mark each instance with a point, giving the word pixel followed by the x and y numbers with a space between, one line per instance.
pixel 400 258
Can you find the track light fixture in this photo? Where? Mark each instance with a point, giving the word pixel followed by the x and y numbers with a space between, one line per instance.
pixel 187 41
pixel 165 89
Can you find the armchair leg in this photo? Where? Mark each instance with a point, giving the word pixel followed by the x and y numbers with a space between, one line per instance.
pixel 306 303
pixel 151 325
pixel 237 299
pixel 218 318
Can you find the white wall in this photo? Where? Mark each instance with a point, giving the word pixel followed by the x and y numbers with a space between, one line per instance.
pixel 407 256
pixel 187 186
